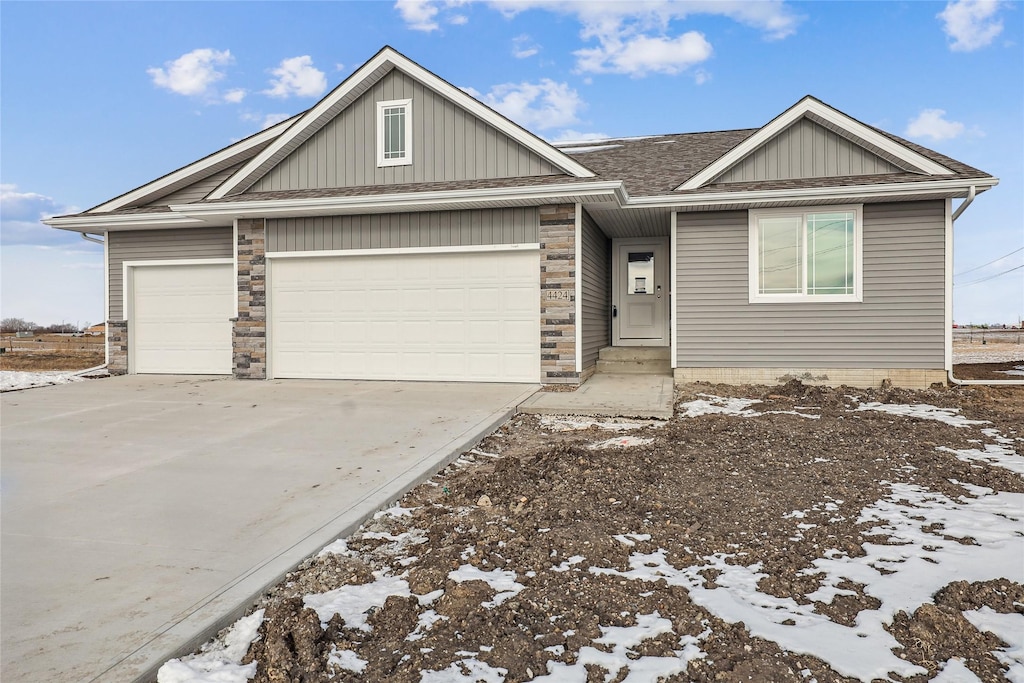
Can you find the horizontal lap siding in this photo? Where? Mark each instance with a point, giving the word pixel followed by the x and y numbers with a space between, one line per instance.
pixel 448 144
pixel 899 324
pixel 146 245
pixel 404 230
pixel 596 284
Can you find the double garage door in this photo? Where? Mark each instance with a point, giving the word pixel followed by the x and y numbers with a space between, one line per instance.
pixel 443 316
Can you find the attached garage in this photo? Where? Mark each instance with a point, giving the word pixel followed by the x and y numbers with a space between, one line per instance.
pixel 434 314
pixel 180 316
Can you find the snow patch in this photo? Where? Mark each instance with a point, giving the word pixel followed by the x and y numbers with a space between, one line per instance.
pixel 992 455
pixel 470 670
pixel 922 411
pixel 353 602
pixel 1018 370
pixel 11 380
pixel 347 660
pixel 220 660
pixel 740 407
pixel 591 148
pixel 1008 628
pixel 955 671
pixel 568 424
pixel 503 582
pixel 621 442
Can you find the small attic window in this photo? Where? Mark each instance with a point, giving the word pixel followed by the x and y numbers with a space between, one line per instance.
pixel 394 133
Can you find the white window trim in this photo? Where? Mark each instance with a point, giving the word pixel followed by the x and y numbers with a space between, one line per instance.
pixel 858 256
pixel 407 159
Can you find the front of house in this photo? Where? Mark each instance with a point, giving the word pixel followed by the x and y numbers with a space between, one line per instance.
pixel 402 230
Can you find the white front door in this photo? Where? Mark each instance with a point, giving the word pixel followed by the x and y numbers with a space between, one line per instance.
pixel 640 292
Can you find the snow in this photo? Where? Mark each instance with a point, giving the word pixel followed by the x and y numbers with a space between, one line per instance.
pixel 621 442
pixel 923 411
pixel 503 582
pixel 478 672
pixel 218 662
pixel 898 575
pixel 1009 628
pixel 352 602
pixel 592 148
pixel 11 380
pixel 1017 370
pixel 568 424
pixel 1000 456
pixel 955 671
pixel 347 660
pixel 631 539
pixel 740 407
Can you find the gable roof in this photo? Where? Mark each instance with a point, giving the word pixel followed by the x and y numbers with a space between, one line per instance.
pixel 833 119
pixel 358 83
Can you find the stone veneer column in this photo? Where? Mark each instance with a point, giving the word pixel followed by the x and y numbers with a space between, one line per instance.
pixel 558 295
pixel 117 347
pixel 249 329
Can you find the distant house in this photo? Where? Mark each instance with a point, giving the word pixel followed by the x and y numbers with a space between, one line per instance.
pixel 401 229
pixel 97 329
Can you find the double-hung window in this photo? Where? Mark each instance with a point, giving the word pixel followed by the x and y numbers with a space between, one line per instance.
pixel 805 254
pixel 394 133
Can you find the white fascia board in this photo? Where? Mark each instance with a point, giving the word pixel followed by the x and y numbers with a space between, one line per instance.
pixel 844 192
pixel 268 208
pixel 138 221
pixel 790 116
pixel 390 56
pixel 194 169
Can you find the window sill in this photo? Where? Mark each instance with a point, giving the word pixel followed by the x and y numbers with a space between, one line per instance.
pixel 805 299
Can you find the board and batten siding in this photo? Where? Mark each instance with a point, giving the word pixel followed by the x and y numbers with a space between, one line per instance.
pixel 197 190
pixel 806 150
pixel 899 324
pixel 595 273
pixel 162 245
pixel 404 230
pixel 448 144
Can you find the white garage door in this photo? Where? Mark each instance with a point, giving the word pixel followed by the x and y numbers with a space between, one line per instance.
pixel 181 319
pixel 441 316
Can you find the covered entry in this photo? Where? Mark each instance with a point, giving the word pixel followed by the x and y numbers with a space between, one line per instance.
pixel 459 314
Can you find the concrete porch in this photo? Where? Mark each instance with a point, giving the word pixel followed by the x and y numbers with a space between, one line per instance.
pixel 629 382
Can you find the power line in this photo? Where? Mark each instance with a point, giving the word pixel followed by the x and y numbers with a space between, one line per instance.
pixel 989 277
pixel 971 270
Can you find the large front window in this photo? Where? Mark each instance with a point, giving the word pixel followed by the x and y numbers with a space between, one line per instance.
pixel 394 133
pixel 799 255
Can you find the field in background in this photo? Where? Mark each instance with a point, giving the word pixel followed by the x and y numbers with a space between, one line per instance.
pixel 50 352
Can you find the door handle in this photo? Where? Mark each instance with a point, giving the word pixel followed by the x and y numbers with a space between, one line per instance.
pixel 615 311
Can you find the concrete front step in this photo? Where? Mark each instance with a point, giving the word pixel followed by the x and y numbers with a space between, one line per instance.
pixel 635 353
pixel 634 367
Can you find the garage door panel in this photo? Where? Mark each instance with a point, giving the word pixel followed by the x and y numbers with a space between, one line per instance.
pixel 181 318
pixel 444 316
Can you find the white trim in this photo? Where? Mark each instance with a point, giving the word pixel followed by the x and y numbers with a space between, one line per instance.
pixel 790 116
pixel 406 158
pixel 194 169
pixel 106 298
pixel 673 247
pixel 578 286
pixel 948 287
pixel 528 246
pixel 234 258
pixel 136 221
pixel 754 297
pixel 389 56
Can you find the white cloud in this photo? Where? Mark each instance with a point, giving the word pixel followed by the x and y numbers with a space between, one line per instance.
pixel 458 19
pixel 569 135
pixel 471 91
pixel 538 106
pixel 297 76
pixel 523 47
pixel 193 73
pixel 931 124
pixel 972 24
pixel 641 55
pixel 700 76
pixel 235 95
pixel 273 119
pixel 636 37
pixel 419 15
pixel 21 214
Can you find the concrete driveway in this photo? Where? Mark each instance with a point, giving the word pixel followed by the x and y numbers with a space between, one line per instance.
pixel 141 512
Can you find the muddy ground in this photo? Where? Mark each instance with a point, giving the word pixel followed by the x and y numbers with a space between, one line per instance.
pixel 544 504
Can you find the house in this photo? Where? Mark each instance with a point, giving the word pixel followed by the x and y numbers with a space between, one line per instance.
pixel 401 229
pixel 96 330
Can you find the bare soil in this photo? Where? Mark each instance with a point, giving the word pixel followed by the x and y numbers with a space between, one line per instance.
pixel 987 370
pixel 701 486
pixel 46 352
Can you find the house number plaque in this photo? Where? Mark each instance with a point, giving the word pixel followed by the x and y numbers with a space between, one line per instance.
pixel 557 295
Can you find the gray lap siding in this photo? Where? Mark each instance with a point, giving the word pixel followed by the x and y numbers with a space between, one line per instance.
pixel 595 273
pixel 899 324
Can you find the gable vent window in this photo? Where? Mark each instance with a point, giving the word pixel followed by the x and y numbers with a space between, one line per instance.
pixel 394 133
pixel 812 255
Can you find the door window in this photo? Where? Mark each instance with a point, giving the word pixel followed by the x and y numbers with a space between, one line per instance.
pixel 640 272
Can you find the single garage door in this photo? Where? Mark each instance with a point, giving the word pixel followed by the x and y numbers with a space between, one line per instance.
pixel 181 319
pixel 439 316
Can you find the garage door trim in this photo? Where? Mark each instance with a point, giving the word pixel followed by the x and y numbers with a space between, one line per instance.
pixel 384 251
pixel 128 285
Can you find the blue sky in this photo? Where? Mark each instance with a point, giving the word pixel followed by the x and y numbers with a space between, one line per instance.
pixel 98 98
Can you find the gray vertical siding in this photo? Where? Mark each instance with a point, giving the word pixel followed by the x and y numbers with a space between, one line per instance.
pixel 396 230
pixel 448 144
pixel 899 324
pixel 806 150
pixel 197 190
pixel 595 273
pixel 146 245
